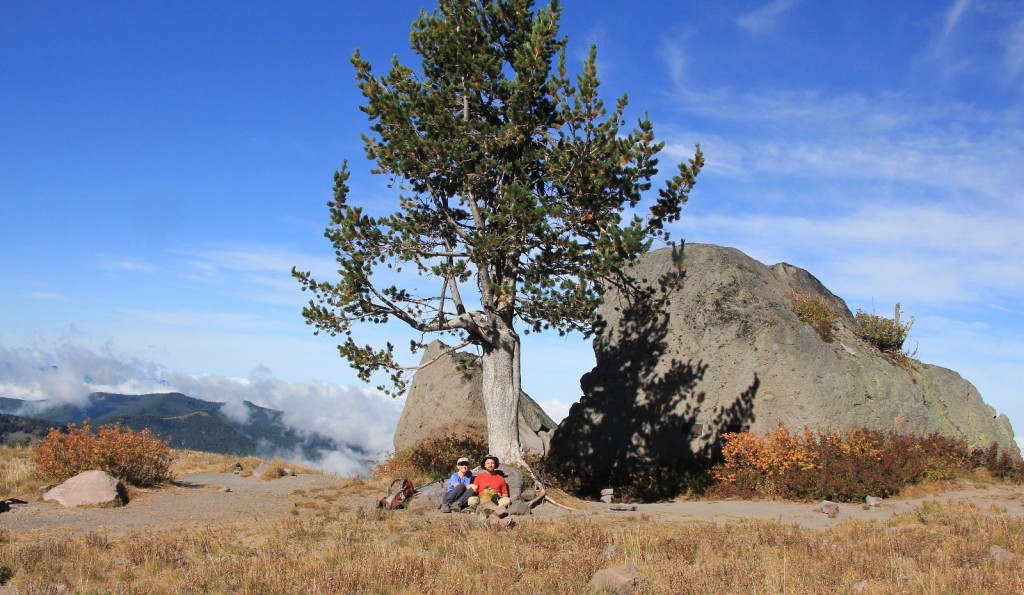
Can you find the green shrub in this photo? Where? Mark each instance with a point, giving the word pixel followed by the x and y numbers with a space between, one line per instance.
pixel 137 458
pixel 816 312
pixel 886 334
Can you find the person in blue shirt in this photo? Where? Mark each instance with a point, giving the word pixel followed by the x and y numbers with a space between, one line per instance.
pixel 460 488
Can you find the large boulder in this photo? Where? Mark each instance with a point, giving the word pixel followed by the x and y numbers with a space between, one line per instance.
pixel 729 354
pixel 447 396
pixel 89 488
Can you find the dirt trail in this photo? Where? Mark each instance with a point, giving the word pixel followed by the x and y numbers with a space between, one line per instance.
pixel 215 499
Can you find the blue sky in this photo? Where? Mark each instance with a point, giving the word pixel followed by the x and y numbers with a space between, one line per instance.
pixel 164 165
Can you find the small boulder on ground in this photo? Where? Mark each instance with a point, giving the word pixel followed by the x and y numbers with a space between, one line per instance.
pixel 89 488
pixel 619 580
pixel 829 508
pixel 428 498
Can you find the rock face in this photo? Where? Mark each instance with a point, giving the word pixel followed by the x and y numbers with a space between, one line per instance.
pixel 729 354
pixel 89 488
pixel 442 398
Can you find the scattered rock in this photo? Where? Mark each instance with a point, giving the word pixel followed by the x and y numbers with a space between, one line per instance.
pixel 872 501
pixel 829 508
pixel 236 468
pixel 268 471
pixel 442 398
pixel 612 552
pixel 519 508
pixel 89 488
pixel 489 509
pixel 622 508
pixel 428 497
pixel 619 580
pixel 499 522
pixel 1001 555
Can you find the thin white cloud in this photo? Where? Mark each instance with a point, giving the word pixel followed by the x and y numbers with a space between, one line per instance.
pixel 47 295
pixel 125 264
pixel 767 17
pixel 953 16
pixel 1015 48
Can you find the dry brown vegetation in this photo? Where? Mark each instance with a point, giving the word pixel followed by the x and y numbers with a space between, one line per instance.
pixel 939 549
pixel 329 545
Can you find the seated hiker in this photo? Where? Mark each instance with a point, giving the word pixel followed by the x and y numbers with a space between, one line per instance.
pixel 490 485
pixel 460 488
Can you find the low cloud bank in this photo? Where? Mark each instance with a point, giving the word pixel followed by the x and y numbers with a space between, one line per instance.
pixel 361 418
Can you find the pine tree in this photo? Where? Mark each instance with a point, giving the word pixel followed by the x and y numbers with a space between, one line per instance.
pixel 514 182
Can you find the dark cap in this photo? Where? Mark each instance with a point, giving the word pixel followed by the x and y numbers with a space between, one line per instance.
pixel 497 463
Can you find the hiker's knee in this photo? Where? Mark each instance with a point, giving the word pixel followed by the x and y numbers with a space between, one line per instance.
pixel 473 500
pixel 504 501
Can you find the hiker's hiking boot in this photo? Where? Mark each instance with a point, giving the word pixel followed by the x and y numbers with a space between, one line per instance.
pixel 456 508
pixel 446 508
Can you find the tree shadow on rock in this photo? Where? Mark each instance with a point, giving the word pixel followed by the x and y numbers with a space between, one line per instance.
pixel 643 424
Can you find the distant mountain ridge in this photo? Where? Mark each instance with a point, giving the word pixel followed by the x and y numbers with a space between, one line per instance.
pixel 185 421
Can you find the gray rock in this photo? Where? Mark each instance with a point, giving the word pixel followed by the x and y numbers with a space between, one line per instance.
pixel 829 508
pixel 515 480
pixel 608 499
pixel 729 354
pixel 619 580
pixel 1001 555
pixel 89 488
pixel 872 500
pixel 519 508
pixel 442 398
pixel 428 498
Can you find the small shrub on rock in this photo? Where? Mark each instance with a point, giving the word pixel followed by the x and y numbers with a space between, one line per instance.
pixel 137 458
pixel 886 334
pixel 816 312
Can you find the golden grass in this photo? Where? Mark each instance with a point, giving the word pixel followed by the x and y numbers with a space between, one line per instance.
pixel 324 549
pixel 194 461
pixel 335 541
pixel 18 476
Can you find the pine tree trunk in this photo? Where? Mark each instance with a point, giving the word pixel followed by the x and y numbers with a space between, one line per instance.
pixel 501 388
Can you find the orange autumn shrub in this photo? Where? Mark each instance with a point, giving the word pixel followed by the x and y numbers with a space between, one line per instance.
pixel 754 466
pixel 842 467
pixel 137 458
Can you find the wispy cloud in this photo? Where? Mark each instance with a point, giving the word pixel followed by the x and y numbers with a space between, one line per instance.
pixel 954 14
pixel 767 17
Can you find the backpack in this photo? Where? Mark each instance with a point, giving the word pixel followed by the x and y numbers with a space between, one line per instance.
pixel 398 496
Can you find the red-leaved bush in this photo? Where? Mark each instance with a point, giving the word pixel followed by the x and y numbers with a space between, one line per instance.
pixel 846 467
pixel 137 458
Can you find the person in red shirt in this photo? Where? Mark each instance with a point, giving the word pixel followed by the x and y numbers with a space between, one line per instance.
pixel 491 479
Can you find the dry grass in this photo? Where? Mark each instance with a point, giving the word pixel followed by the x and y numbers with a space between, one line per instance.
pixel 330 545
pixel 18 475
pixel 194 461
pixel 322 549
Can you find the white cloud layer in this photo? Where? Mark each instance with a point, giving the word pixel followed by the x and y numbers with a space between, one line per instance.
pixel 359 417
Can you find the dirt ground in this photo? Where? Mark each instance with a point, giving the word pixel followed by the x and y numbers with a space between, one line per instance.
pixel 215 499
